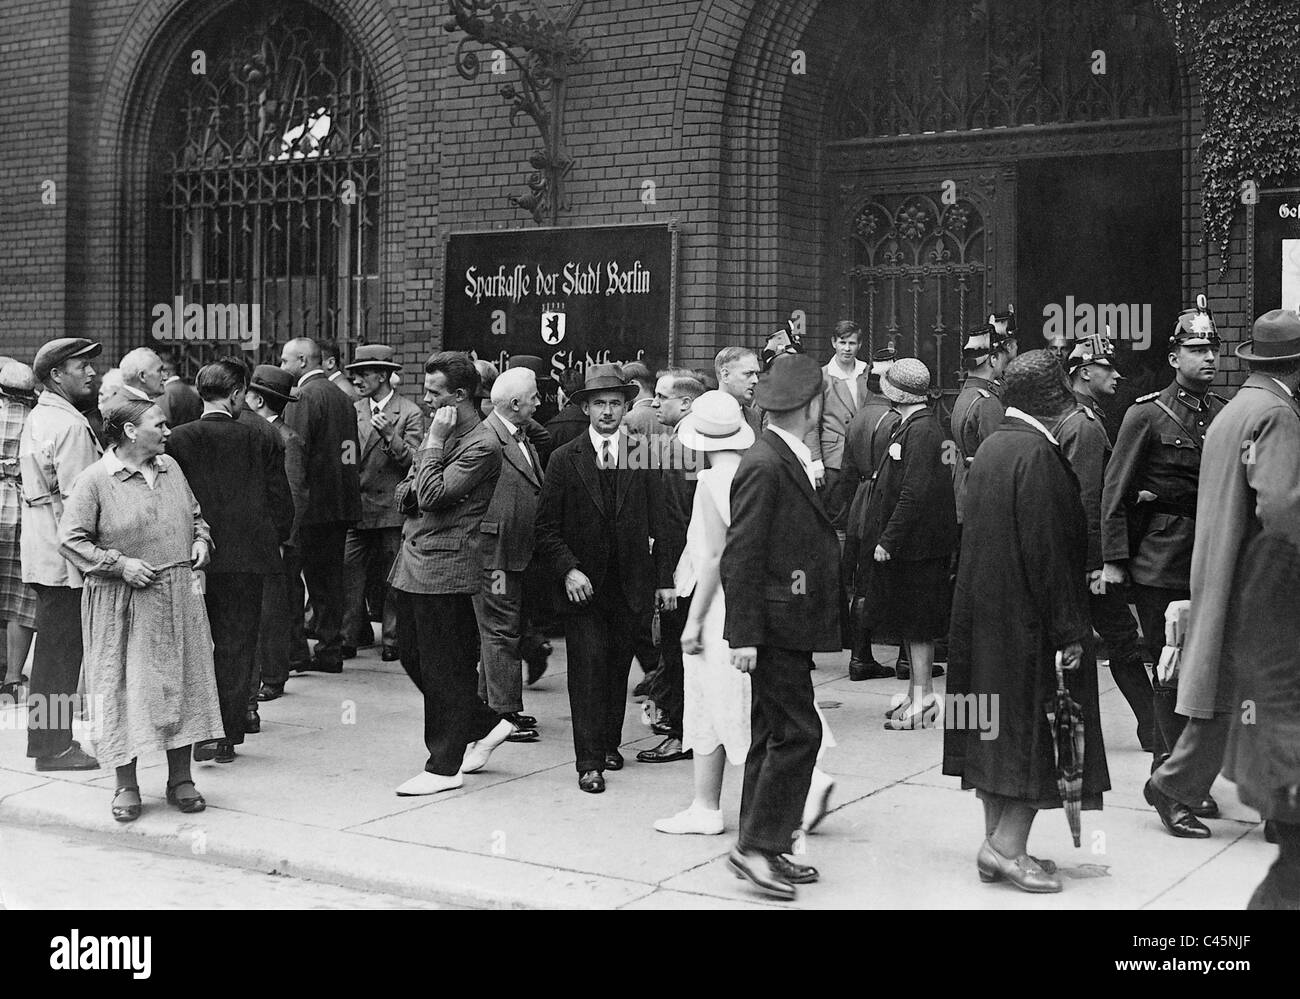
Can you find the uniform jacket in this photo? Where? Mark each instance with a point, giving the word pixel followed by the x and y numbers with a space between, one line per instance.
pixel 838 410
pixel 1086 445
pixel 327 423
pixel 180 403
pixel 57 445
pixel 780 568
pixel 1249 482
pixel 1161 454
pixel 385 463
pixel 445 497
pixel 238 476
pixel 912 511
pixel 509 526
pixel 976 414
pixel 575 528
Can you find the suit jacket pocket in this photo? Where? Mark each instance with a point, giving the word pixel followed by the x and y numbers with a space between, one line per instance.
pixel 490 527
pixel 438 543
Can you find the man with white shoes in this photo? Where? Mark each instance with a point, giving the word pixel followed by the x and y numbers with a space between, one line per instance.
pixel 439 570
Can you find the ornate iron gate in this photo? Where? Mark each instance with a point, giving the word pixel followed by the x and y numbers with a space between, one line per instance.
pixel 274 181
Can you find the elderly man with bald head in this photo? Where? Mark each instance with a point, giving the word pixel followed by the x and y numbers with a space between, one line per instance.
pixel 142 374
pixel 327 423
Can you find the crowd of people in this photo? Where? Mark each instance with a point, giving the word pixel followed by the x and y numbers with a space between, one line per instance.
pixel 187 543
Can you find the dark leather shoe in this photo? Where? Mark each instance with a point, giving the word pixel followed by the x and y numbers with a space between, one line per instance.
pixel 796 874
pixel 1270 831
pixel 1207 809
pixel 1176 816
pixel 592 781
pixel 523 735
pixel 270 691
pixel 668 751
pixel 936 670
pixel 315 665
pixel 348 652
pixel 614 761
pixel 758 870
pixel 642 687
pixel 903 671
pixel 225 752
pixel 859 670
pixel 663 728
pixel 252 722
pixel 206 750
pixel 536 663
pixel 72 758
pixel 389 654
pixel 520 720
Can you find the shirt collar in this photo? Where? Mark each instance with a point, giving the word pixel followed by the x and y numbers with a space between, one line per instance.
pixel 1022 415
pixel 598 441
pixel 138 393
pixel 173 378
pixel 381 403
pixel 511 429
pixel 834 371
pixel 309 374
pixel 114 465
pixel 799 448
pixel 1284 387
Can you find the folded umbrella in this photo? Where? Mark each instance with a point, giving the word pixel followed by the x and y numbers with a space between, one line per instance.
pixel 1066 721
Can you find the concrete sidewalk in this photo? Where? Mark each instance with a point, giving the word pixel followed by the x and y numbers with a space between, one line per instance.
pixel 312 796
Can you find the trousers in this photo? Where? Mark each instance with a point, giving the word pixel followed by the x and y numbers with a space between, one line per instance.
pixel 785 735
pixel 56 667
pixel 668 689
pixel 1195 760
pixel 1150 602
pixel 322 565
pixel 601 639
pixel 1113 621
pixel 368 552
pixel 499 608
pixel 234 602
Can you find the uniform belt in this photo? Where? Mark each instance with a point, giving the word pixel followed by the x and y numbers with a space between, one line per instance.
pixel 1174 509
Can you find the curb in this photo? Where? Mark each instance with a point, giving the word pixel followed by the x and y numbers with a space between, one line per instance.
pixel 273 846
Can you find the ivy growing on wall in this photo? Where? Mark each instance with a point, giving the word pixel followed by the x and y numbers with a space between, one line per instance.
pixel 1246 56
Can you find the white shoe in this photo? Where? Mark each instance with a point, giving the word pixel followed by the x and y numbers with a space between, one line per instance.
pixel 427 783
pixel 819 800
pixel 700 821
pixel 477 753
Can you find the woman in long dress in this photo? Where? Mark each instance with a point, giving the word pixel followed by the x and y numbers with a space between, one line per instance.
pixel 134 529
pixel 716 716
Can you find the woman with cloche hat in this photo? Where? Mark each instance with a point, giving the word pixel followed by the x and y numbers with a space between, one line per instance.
pixel 908 532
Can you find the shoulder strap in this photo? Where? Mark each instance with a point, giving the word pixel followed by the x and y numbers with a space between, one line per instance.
pixel 1170 413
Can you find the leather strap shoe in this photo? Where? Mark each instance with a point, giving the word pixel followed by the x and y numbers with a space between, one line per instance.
pixel 1176 816
pixel 592 781
pixel 758 870
pixel 668 751
pixel 614 761
pixel 796 874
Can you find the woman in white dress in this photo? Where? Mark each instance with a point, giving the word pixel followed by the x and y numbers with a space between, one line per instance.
pixel 715 722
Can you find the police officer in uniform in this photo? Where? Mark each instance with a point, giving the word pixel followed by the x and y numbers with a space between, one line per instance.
pixel 1149 498
pixel 1086 444
pixel 978 410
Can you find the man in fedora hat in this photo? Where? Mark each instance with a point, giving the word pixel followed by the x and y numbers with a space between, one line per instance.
pixel 57 444
pixel 1249 483
pixel 1149 497
pixel 1086 444
pixel 280 641
pixel 780 574
pixel 389 429
pixel 599 508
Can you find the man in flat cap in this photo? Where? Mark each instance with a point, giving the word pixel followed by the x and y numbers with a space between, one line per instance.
pixel 780 574
pixel 57 445
pixel 390 429
pixel 1149 499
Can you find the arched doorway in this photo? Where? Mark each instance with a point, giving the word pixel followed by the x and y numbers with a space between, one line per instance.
pixel 264 185
pixel 1024 151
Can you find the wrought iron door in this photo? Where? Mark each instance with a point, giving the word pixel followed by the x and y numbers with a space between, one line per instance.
pixel 273 184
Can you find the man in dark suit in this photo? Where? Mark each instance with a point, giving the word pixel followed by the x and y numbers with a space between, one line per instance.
pixel 238 477
pixel 280 640
pixel 439 570
pixel 600 507
pixel 179 402
pixel 508 533
pixel 780 573
pixel 570 421
pixel 389 429
pixel 327 423
pixel 331 362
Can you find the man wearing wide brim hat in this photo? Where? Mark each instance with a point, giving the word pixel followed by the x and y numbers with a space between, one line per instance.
pixel 600 503
pixel 56 446
pixel 389 430
pixel 781 576
pixel 1249 484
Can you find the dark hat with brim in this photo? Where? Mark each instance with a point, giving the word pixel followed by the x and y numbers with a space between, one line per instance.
pixel 604 378
pixel 54 353
pixel 530 361
pixel 1275 337
pixel 791 381
pixel 271 380
pixel 373 355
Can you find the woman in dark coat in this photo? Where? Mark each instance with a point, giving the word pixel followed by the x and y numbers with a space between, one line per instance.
pixel 1021 599
pixel 908 531
pixel 1263 755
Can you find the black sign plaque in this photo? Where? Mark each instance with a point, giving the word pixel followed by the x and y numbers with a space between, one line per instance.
pixel 1274 231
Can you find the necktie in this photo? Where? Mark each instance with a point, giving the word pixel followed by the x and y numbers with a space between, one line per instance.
pixel 523 446
pixel 607 456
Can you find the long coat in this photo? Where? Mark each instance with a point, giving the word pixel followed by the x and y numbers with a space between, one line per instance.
pixel 911 512
pixel 780 568
pixel 1021 595
pixel 327 423
pixel 1249 481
